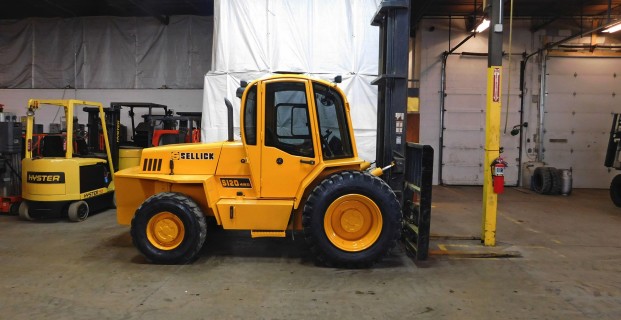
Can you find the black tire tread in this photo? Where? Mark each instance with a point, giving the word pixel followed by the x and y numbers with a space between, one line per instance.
pixel 557 181
pixel 322 196
pixel 615 190
pixel 542 180
pixel 196 212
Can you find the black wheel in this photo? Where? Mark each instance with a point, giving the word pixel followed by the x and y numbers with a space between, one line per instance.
pixel 556 176
pixel 615 190
pixel 23 211
pixel 78 211
pixel 542 180
pixel 351 219
pixel 169 228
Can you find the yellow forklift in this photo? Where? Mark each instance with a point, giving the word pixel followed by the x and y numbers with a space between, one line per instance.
pixel 296 168
pixel 67 177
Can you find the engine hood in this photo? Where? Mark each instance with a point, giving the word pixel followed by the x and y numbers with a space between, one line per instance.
pixel 190 158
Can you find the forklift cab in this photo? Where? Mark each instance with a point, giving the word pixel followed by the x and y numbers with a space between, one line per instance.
pixel 141 133
pixel 293 128
pixel 171 129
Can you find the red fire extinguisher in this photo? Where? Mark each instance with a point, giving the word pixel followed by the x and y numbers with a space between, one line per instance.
pixel 498 174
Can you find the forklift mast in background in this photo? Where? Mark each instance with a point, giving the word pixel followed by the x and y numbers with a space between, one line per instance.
pixel 393 19
pixel 95 132
pixel 142 139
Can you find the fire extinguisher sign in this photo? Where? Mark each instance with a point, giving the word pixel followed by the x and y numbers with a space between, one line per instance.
pixel 496 86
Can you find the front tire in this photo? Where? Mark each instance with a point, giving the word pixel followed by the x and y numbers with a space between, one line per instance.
pixel 23 211
pixel 78 211
pixel 351 219
pixel 169 228
pixel 615 190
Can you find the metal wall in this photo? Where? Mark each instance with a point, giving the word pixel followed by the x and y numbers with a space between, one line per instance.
pixel 581 95
pixel 458 129
pixel 464 120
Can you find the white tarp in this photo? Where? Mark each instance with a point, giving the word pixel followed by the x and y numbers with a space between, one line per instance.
pixel 322 38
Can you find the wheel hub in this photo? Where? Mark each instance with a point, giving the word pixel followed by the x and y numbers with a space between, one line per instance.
pixel 353 222
pixel 165 231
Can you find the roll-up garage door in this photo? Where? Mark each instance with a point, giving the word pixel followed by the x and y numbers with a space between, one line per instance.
pixel 582 94
pixel 464 121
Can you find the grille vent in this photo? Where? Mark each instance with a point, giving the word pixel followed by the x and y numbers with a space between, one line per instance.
pixel 150 164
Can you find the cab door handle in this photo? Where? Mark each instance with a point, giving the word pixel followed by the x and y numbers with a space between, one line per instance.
pixel 311 162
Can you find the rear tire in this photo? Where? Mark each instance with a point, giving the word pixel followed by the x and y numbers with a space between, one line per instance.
pixel 169 228
pixel 615 190
pixel 78 211
pixel 23 211
pixel 351 219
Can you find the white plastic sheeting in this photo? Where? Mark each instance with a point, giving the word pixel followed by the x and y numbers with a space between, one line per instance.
pixel 322 38
pixel 105 52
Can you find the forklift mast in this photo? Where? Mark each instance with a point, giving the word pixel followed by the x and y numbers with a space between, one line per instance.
pixel 113 126
pixel 393 19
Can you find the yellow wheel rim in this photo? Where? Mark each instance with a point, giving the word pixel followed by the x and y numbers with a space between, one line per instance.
pixel 165 231
pixel 353 222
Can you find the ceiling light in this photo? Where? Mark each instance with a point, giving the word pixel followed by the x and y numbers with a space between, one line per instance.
pixel 482 26
pixel 613 28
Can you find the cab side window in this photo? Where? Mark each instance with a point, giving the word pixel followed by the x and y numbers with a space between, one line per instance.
pixel 287 125
pixel 335 140
pixel 250 117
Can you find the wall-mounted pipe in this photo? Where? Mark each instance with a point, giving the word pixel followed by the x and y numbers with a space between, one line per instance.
pixel 542 109
pixel 442 102
pixel 522 95
pixel 577 35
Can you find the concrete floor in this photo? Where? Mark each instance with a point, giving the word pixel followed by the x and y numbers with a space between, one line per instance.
pixel 569 268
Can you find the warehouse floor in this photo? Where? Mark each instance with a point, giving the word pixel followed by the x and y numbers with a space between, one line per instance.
pixel 568 267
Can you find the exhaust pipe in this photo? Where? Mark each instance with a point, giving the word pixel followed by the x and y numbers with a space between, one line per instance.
pixel 229 108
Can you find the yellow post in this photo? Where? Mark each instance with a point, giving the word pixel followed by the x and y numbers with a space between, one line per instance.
pixel 492 151
pixel 492 120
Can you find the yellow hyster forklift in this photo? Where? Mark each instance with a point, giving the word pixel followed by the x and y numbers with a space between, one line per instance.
pixel 68 177
pixel 295 168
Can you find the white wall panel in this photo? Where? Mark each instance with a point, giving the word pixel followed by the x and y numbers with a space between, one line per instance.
pixel 464 122
pixel 582 93
pixel 465 100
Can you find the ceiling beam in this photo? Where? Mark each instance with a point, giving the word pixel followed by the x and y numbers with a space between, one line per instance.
pixel 60 7
pixel 140 4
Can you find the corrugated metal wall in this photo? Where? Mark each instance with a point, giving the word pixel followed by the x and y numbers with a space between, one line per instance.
pixel 464 120
pixel 582 94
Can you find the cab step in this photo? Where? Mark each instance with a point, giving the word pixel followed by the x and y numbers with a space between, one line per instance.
pixel 267 234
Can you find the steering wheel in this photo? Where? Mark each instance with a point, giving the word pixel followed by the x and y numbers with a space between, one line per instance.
pixel 325 144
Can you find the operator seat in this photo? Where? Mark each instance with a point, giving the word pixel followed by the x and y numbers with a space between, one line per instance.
pixel 53 146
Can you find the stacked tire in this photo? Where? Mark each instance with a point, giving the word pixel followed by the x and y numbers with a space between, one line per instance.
pixel 547 180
